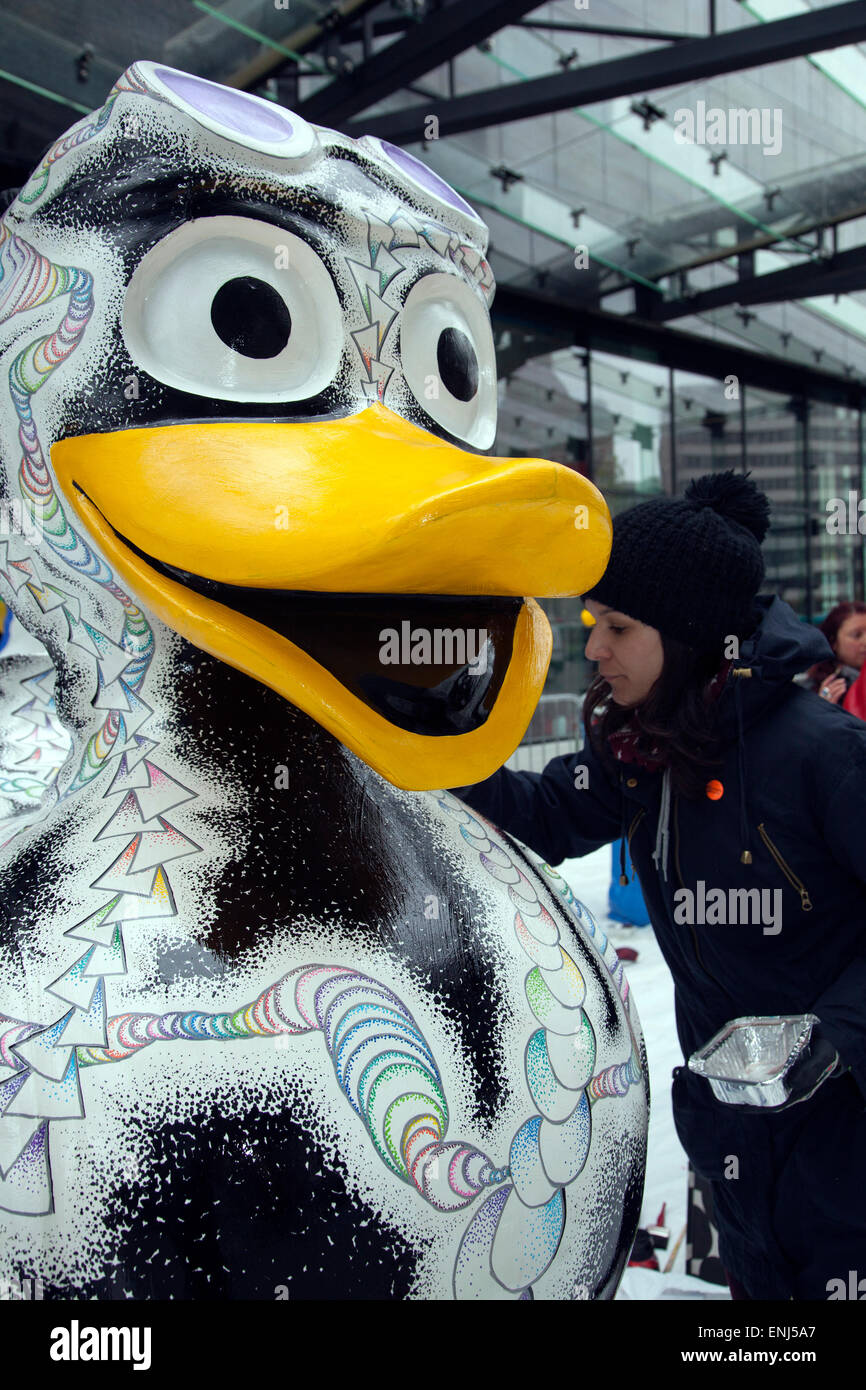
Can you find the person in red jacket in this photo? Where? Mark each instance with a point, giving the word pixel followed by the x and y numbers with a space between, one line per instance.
pixel 743 799
pixel 845 630
pixel 855 701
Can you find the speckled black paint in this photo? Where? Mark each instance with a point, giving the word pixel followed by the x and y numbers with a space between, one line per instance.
pixel 354 857
pixel 253 1203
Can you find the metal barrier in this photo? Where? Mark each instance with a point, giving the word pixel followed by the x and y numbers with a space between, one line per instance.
pixel 555 728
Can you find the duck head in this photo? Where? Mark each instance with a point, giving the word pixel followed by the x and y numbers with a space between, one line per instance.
pixel 251 383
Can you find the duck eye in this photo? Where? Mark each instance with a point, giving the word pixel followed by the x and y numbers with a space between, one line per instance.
pixel 251 317
pixel 458 364
pixel 448 358
pixel 237 310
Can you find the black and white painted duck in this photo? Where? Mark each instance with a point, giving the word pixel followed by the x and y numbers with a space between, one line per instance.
pixel 275 1018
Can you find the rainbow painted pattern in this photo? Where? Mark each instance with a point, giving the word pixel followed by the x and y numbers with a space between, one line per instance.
pixel 387 1070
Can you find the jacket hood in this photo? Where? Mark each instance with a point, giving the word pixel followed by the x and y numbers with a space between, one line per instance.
pixel 780 648
pixel 782 645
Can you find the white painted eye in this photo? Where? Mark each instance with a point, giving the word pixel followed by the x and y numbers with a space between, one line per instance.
pixel 235 309
pixel 448 357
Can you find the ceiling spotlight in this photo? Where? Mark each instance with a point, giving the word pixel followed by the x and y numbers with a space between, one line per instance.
pixel 85 62
pixel 506 176
pixel 647 112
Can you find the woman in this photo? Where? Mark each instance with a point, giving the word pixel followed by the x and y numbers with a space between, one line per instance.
pixel 845 630
pixel 726 775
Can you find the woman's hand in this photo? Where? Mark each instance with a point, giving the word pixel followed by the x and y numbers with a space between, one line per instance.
pixel 819 1061
pixel 834 689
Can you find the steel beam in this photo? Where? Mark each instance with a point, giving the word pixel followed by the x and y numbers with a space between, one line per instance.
pixel 445 32
pixel 303 40
pixel 844 273
pixel 545 317
pixel 378 28
pixel 611 31
pixel 733 51
pixel 839 196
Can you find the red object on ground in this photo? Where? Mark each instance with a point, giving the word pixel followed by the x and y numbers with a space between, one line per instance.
pixel 855 700
pixel 626 953
pixel 659 1233
pixel 642 1253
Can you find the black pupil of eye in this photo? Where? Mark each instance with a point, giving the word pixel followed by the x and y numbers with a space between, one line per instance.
pixel 458 364
pixel 251 317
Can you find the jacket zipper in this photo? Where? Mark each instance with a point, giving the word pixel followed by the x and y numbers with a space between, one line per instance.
pixel 632 828
pixel 805 901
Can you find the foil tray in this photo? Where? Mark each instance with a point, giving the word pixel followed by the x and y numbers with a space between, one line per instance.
pixel 748 1061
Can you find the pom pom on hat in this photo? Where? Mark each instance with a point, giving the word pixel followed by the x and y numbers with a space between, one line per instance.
pixel 690 566
pixel 734 496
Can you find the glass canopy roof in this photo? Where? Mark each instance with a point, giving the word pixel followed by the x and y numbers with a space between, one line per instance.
pixel 659 218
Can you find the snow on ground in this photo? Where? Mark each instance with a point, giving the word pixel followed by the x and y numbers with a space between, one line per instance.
pixel 667 1167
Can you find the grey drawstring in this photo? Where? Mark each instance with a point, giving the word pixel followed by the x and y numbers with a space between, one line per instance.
pixel 663 832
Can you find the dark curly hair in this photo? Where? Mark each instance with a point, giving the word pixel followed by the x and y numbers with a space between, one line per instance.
pixel 678 717
pixel 822 670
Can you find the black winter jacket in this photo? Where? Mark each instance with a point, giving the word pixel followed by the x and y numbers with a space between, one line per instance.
pixel 793 1205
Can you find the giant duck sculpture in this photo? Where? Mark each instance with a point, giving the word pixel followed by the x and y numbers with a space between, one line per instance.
pixel 275 1020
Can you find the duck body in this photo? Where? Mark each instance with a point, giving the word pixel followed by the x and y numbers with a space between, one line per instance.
pixel 238 1166
pixel 271 1025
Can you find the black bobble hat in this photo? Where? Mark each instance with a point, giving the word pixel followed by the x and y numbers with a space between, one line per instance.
pixel 690 566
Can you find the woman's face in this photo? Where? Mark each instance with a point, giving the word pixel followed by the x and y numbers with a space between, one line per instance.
pixel 851 640
pixel 629 654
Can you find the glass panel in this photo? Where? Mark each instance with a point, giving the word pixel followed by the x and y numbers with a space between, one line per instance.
pixel 543 414
pixel 775 457
pixel 708 426
pixel 542 405
pixel 630 429
pixel 834 462
pixel 708 417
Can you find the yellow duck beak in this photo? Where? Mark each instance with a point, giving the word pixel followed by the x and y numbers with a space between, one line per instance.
pixel 233 533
